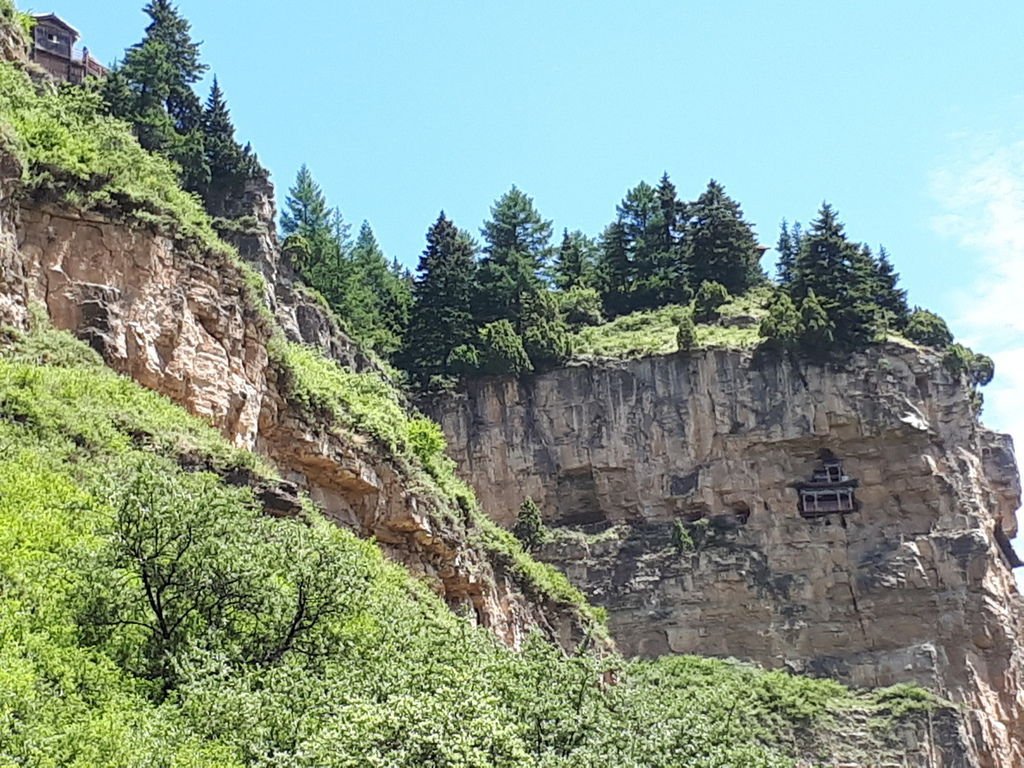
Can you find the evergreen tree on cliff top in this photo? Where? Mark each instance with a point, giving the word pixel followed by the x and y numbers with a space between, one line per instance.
pixel 516 249
pixel 841 275
pixel 228 163
pixel 152 90
pixel 377 300
pixel 440 320
pixel 315 238
pixel 721 246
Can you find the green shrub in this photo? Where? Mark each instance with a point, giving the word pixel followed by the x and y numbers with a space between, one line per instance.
pixel 686 334
pixel 927 328
pixel 502 351
pixel 580 306
pixel 529 526
pixel 710 297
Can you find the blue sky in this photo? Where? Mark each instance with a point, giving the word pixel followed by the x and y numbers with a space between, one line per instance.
pixel 906 116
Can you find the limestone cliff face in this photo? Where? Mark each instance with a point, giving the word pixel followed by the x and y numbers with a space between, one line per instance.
pixel 182 321
pixel 913 586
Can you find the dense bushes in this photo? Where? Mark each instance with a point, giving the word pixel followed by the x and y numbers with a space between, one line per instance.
pixel 149 614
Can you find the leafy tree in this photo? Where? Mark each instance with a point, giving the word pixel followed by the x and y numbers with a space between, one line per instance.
pixel 440 319
pixel 927 328
pixel 574 261
pixel 516 249
pixel 529 526
pixel 710 296
pixel 721 246
pixel 686 335
pixel 502 351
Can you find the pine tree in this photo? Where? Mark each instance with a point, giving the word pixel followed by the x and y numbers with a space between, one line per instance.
pixel 817 331
pixel 721 246
pixel 686 332
pixel 639 263
pixel 529 526
pixel 309 228
pixel 501 350
pixel 516 249
pixel 152 90
pixel 673 216
pixel 171 30
pixel 710 296
pixel 574 263
pixel 546 336
pixel 376 300
pixel 788 247
pixel 615 270
pixel 225 159
pixel 440 319
pixel 890 297
pixel 841 276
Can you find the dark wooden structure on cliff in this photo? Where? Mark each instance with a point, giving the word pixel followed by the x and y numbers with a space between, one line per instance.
pixel 829 491
pixel 54 49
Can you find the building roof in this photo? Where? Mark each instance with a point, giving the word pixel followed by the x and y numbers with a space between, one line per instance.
pixel 53 18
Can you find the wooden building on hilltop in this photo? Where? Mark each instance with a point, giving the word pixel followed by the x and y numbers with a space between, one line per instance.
pixel 54 49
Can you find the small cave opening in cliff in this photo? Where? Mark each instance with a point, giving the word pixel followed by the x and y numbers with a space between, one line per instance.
pixel 829 491
pixel 1006 547
pixel 741 512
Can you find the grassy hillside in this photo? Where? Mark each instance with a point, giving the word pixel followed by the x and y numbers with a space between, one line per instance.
pixel 154 616
pixel 653 332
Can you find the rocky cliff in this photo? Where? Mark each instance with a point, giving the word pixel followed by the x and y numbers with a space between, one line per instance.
pixel 186 320
pixel 669 486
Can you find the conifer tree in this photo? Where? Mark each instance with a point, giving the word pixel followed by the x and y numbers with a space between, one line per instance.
pixel 788 247
pixel 840 274
pixel 891 299
pixel 781 327
pixel 529 526
pixel 574 261
pixel 817 331
pixel 440 319
pixel 615 270
pixel 152 89
pixel 376 300
pixel 673 216
pixel 546 336
pixel 721 246
pixel 639 263
pixel 227 162
pixel 501 350
pixel 310 229
pixel 516 249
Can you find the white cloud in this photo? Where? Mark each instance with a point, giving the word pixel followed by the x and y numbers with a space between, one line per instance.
pixel 982 198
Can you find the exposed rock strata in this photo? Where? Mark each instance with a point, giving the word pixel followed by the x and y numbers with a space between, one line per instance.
pixel 176 319
pixel 914 586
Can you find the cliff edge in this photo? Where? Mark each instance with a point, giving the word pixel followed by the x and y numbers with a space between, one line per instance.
pixel 670 487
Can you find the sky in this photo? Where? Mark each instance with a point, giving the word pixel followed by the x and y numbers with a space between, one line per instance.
pixel 906 116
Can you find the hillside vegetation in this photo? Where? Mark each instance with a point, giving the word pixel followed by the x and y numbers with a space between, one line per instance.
pixel 152 615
